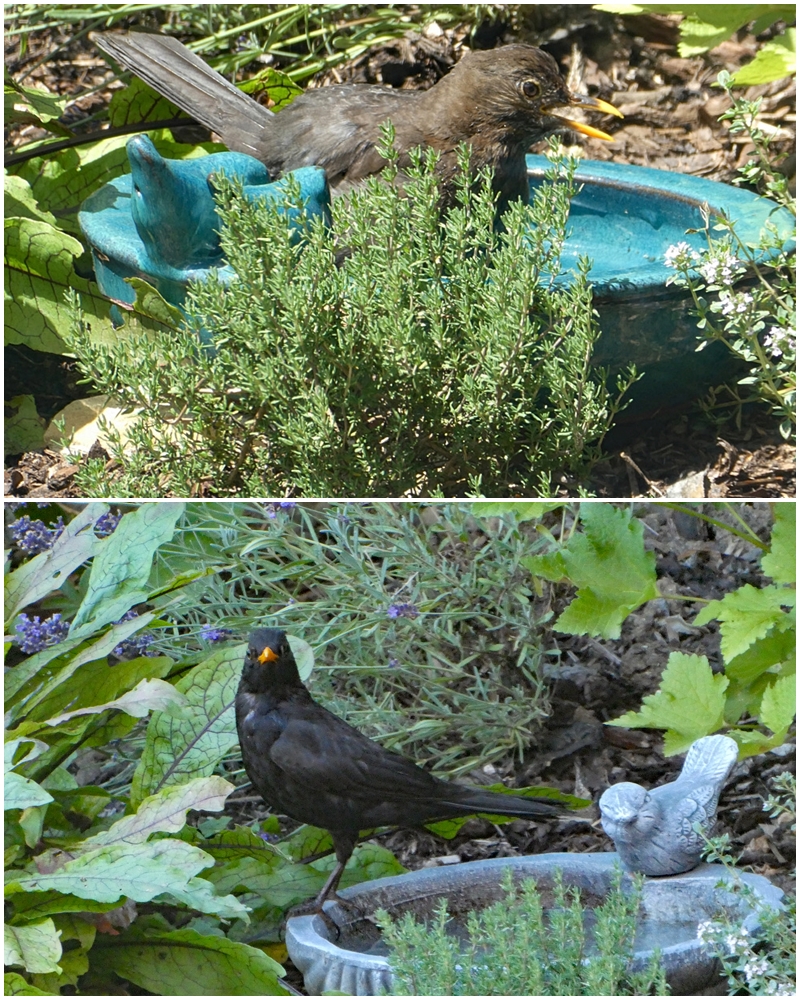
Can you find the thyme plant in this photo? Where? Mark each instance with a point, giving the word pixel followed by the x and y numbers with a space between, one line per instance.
pixel 410 354
pixel 756 321
pixel 517 949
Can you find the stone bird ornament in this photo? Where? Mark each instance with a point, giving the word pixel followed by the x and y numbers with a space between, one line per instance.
pixel 653 830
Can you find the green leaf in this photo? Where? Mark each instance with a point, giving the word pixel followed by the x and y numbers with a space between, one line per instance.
pixel 608 564
pixel 22 793
pixel 778 705
pixel 151 303
pixel 16 986
pixel 521 510
pixel 689 702
pixel 20 202
pixel 181 963
pixel 747 615
pixel 46 572
pixel 36 947
pixel 122 566
pixel 147 696
pixel 24 428
pixel 775 648
pixel 776 59
pixel 87 679
pixel 39 268
pixel 140 871
pixel 165 812
pixel 779 563
pixel 178 749
pixel 303 654
pixel 752 742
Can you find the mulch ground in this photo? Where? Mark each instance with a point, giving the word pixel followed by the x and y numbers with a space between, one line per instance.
pixel 671 108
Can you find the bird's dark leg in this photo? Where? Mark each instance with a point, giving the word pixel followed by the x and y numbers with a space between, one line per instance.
pixel 343 845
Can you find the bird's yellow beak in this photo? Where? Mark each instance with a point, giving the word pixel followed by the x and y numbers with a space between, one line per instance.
pixel 594 104
pixel 267 655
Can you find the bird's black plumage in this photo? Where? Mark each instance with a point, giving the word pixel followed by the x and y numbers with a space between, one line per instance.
pixel 312 766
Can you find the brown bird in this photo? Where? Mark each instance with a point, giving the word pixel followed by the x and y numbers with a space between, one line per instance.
pixel 499 101
pixel 309 764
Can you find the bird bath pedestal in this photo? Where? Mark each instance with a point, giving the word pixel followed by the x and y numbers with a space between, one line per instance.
pixel 672 907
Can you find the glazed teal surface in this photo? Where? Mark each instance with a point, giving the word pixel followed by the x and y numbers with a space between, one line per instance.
pixel 160 221
pixel 624 218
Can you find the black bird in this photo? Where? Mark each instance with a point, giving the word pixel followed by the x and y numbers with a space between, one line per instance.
pixel 498 101
pixel 309 764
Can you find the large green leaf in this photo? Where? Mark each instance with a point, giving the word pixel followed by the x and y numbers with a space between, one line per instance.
pixel 780 562
pixel 121 568
pixel 177 749
pixel 139 871
pixel 746 615
pixel 39 268
pixel 36 947
pixel 186 963
pixel 46 572
pixel 165 812
pixel 148 695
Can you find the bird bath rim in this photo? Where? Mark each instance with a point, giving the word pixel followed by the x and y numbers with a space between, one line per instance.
pixel 326 965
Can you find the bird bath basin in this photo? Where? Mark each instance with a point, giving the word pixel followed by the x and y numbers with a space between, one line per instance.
pixel 672 907
pixel 624 218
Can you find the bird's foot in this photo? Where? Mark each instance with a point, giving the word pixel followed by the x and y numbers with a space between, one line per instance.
pixel 316 907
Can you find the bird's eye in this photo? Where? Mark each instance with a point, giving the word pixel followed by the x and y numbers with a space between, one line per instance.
pixel 530 88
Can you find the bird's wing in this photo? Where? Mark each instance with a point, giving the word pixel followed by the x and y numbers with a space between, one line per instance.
pixel 326 754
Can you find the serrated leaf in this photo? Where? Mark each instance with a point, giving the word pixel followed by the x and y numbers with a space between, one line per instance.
pixel 121 568
pixel 690 701
pixel 165 812
pixel 780 562
pixel 776 647
pixel 752 742
pixel 747 615
pixel 36 947
pixel 778 705
pixel 186 963
pixel 178 749
pixel 775 59
pixel 147 696
pixel 608 564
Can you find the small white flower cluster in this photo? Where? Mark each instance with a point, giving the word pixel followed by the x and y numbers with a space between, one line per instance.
pixel 780 341
pixel 734 302
pixel 680 255
pixel 721 270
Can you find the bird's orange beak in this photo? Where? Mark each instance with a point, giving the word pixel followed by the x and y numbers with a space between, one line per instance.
pixel 595 104
pixel 267 655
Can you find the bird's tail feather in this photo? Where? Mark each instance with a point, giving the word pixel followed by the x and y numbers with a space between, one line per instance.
pixel 175 72
pixel 505 805
pixel 711 757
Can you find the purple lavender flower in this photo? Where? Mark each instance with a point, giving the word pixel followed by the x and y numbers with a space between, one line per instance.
pixel 106 524
pixel 402 611
pixel 35 635
pixel 33 537
pixel 211 634
pixel 137 645
pixel 286 504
